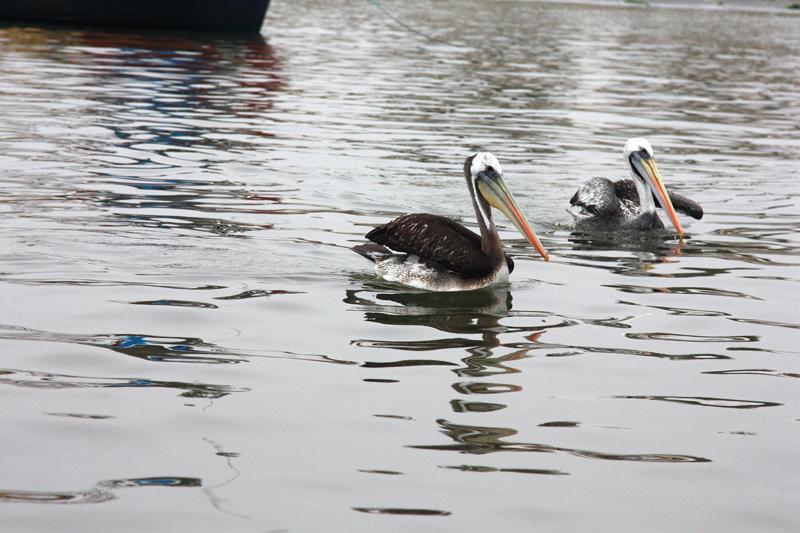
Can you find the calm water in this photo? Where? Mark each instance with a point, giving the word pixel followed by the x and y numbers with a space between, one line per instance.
pixel 187 342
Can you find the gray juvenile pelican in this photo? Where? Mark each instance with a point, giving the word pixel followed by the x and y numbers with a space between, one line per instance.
pixel 439 254
pixel 629 204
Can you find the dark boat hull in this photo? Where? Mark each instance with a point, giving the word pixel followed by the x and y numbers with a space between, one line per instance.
pixel 236 16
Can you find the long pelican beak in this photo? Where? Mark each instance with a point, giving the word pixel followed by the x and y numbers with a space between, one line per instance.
pixel 647 168
pixel 494 189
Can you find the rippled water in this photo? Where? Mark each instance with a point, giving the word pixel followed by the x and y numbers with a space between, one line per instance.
pixel 187 341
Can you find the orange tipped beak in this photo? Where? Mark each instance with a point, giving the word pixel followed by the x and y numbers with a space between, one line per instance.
pixel 657 185
pixel 497 194
pixel 519 220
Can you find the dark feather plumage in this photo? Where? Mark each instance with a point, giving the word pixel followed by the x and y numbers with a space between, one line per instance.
pixel 598 197
pixel 686 205
pixel 615 204
pixel 437 239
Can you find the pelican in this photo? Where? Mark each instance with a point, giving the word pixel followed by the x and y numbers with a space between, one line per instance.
pixel 628 204
pixel 439 254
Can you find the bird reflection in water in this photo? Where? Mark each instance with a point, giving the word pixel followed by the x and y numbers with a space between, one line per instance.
pixel 479 440
pixel 629 254
pixel 467 312
pixel 463 314
pixel 472 317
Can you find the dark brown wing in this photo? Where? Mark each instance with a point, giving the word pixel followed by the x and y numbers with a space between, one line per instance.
pixel 626 190
pixel 436 239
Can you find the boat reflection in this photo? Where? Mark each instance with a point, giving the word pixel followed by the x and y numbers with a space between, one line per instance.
pixel 176 114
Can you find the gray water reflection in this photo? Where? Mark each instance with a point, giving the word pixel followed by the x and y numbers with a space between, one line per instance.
pixel 153 348
pixel 481 312
pixel 180 199
pixel 101 492
pixel 139 165
pixel 707 402
pixel 482 440
pixel 453 313
pixel 147 347
pixel 401 511
pixel 43 380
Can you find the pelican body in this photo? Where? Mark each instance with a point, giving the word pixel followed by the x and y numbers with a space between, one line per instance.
pixel 436 253
pixel 630 204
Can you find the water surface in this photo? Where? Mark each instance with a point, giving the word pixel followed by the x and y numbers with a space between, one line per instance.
pixel 187 342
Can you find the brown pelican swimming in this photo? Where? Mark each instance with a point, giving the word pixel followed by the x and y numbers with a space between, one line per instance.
pixel 628 204
pixel 439 254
